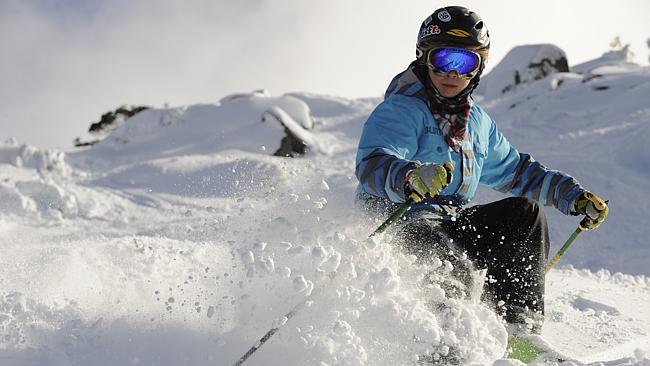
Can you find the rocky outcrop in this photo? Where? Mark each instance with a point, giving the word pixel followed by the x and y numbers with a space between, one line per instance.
pixel 108 122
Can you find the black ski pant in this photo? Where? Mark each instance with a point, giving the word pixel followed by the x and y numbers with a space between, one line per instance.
pixel 508 238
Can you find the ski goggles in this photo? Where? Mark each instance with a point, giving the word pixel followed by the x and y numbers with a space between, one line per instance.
pixel 445 59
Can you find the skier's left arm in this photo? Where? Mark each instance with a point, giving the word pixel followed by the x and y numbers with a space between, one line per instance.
pixel 510 171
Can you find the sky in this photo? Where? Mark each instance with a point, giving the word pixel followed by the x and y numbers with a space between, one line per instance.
pixel 64 63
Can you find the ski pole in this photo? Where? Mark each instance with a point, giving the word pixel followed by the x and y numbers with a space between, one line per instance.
pixel 394 217
pixel 564 248
pixel 270 333
pixel 583 226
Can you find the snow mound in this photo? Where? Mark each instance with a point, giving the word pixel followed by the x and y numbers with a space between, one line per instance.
pixel 522 65
pixel 236 122
pixel 295 107
pixel 26 156
pixel 50 198
pixel 30 181
pixel 617 58
pixel 323 106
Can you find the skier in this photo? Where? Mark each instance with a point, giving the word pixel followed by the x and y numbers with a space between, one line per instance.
pixel 429 144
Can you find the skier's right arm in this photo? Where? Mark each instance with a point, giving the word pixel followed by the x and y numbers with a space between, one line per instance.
pixel 388 140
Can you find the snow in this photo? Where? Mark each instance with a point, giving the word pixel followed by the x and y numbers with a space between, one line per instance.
pixel 180 239
pixel 517 67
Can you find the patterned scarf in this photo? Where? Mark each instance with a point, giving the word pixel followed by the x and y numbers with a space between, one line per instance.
pixel 452 120
pixel 451 114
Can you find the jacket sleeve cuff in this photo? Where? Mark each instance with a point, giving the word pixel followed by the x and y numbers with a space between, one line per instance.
pixel 567 203
pixel 398 176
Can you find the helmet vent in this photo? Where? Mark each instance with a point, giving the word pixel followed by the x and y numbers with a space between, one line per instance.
pixel 479 25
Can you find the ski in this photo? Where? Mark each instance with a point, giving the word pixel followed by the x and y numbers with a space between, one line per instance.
pixel 535 351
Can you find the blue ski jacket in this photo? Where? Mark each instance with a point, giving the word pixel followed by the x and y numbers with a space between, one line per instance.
pixel 401 134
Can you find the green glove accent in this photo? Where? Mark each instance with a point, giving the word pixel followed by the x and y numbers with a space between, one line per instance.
pixel 428 180
pixel 594 208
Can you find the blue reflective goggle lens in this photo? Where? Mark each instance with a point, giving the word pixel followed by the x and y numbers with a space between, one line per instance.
pixel 459 59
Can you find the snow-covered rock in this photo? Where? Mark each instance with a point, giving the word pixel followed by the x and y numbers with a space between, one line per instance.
pixel 616 58
pixel 523 65
pixel 236 122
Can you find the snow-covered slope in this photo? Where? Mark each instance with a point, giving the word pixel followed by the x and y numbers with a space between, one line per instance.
pixel 595 126
pixel 179 239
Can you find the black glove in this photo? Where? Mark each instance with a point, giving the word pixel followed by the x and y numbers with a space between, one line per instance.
pixel 593 207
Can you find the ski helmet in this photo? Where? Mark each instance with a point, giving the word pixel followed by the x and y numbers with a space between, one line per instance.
pixel 453 26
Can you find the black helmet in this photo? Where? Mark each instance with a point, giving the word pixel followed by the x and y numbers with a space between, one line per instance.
pixel 453 26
